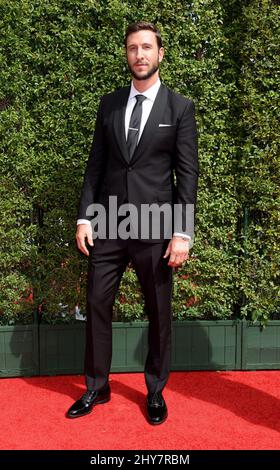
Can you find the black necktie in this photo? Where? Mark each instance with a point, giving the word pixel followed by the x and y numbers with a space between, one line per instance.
pixel 134 125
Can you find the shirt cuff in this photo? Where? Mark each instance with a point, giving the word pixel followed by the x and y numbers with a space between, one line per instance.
pixel 182 235
pixel 83 221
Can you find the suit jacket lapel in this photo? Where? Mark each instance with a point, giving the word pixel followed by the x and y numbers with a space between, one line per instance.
pixel 152 123
pixel 150 127
pixel 119 124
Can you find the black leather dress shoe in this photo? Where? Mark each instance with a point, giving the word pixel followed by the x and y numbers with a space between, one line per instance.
pixel 156 408
pixel 84 405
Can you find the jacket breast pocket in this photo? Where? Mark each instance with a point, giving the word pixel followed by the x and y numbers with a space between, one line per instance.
pixel 167 129
pixel 164 137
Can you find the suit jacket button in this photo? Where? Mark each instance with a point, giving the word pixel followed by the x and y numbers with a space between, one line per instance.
pixel 130 168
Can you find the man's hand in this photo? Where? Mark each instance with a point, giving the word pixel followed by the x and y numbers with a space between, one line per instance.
pixel 84 231
pixel 178 249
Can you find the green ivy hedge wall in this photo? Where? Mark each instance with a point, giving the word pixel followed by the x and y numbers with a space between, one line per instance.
pixel 58 58
pixel 259 86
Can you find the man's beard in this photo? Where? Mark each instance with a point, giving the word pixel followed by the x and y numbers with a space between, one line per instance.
pixel 149 74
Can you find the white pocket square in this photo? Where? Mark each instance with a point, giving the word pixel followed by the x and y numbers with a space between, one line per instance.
pixel 165 125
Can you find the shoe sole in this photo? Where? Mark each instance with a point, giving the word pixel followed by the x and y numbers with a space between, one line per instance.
pixel 88 412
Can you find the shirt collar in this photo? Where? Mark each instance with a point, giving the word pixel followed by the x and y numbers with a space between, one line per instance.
pixel 151 93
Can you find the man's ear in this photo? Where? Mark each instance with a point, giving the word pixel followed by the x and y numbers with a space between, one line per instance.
pixel 160 54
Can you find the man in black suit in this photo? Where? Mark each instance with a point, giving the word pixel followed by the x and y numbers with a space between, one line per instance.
pixel 144 152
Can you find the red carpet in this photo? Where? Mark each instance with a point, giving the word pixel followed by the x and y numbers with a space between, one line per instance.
pixel 207 410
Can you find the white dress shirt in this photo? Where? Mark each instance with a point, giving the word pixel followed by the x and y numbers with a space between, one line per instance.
pixel 147 105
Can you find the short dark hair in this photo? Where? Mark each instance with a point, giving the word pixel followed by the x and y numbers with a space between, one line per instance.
pixel 140 26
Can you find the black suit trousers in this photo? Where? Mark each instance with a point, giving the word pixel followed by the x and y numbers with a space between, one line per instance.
pixel 107 262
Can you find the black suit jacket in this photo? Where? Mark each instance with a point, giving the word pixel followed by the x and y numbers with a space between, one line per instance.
pixel 164 167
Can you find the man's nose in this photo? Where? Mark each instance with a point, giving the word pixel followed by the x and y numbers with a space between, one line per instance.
pixel 139 54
